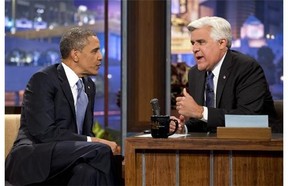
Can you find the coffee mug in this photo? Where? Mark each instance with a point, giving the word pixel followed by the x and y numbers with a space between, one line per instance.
pixel 160 126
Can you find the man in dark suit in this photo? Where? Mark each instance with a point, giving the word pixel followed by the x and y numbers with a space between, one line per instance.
pixel 52 148
pixel 238 84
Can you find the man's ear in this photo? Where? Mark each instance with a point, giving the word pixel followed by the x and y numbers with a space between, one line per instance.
pixel 223 43
pixel 74 55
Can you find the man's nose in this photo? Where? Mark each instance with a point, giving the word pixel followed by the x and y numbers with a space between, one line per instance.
pixel 195 48
pixel 100 57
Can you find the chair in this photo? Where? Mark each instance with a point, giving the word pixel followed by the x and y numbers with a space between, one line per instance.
pixel 12 124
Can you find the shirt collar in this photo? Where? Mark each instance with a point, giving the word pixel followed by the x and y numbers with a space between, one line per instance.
pixel 71 75
pixel 216 70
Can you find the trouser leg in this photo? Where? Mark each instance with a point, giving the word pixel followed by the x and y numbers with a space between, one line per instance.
pixel 72 156
pixel 84 174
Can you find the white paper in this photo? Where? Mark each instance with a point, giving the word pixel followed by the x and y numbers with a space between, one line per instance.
pixel 172 136
pixel 178 135
pixel 246 120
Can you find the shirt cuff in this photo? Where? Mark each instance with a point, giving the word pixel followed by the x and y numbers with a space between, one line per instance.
pixel 205 115
pixel 89 139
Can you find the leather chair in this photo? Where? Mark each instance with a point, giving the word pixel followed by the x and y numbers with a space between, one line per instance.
pixel 12 124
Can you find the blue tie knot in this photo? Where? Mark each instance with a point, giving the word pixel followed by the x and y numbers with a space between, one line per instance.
pixel 210 74
pixel 80 86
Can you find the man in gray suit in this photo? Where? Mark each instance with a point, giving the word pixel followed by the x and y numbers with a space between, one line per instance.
pixel 51 144
pixel 238 84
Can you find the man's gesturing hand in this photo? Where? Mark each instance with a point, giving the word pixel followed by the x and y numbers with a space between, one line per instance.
pixel 187 106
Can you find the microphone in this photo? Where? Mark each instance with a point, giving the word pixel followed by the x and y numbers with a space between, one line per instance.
pixel 155 106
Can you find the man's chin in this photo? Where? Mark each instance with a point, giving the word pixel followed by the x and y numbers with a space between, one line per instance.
pixel 200 68
pixel 90 74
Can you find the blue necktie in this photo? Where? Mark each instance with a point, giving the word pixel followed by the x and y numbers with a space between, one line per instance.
pixel 81 105
pixel 209 89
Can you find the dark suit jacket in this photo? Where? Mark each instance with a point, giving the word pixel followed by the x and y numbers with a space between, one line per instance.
pixel 242 89
pixel 48 116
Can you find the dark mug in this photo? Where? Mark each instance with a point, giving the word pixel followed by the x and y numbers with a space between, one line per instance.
pixel 160 126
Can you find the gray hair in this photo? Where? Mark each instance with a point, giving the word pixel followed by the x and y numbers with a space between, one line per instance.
pixel 75 38
pixel 220 28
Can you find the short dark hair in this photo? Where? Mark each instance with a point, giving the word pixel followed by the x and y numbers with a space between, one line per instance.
pixel 75 38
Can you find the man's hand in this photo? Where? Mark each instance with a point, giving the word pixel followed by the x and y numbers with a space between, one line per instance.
pixel 113 145
pixel 181 123
pixel 187 106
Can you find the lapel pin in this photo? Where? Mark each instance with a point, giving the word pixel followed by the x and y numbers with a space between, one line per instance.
pixel 224 77
pixel 88 87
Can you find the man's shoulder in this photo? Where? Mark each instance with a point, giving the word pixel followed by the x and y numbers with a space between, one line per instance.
pixel 50 68
pixel 239 56
pixel 46 72
pixel 242 64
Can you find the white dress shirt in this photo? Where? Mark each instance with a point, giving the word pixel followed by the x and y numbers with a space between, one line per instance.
pixel 72 80
pixel 216 72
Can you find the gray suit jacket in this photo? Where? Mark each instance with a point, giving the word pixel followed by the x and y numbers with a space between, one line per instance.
pixel 242 89
pixel 48 115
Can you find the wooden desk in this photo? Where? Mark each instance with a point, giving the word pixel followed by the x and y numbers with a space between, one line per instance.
pixel 202 159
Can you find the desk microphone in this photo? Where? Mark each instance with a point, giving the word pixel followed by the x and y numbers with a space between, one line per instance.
pixel 155 106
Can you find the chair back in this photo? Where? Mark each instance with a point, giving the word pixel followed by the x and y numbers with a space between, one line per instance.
pixel 12 124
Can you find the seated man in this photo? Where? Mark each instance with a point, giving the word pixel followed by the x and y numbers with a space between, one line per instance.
pixel 55 138
pixel 223 81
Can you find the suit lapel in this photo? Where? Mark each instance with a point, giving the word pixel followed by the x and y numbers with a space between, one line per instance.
pixel 90 91
pixel 66 87
pixel 223 76
pixel 88 87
